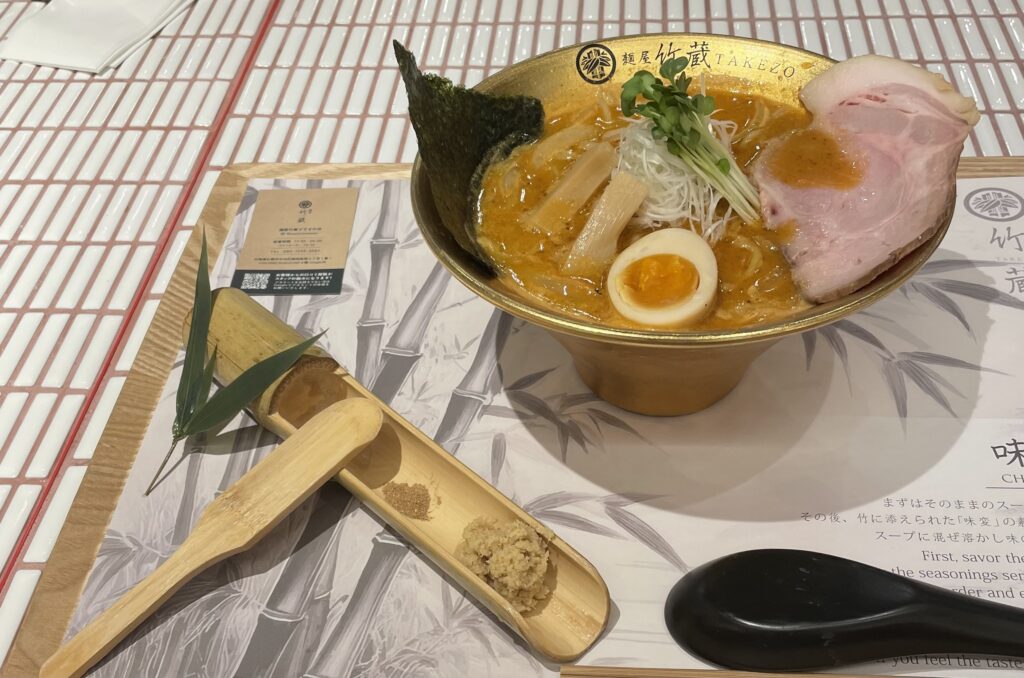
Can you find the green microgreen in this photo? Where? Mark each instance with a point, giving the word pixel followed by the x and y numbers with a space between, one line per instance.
pixel 681 121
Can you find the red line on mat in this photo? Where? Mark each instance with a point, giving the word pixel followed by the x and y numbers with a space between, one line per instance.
pixel 161 248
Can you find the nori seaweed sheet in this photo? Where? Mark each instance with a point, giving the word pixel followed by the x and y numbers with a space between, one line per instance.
pixel 460 133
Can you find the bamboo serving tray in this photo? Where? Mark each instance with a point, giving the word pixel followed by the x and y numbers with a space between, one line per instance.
pixel 64 577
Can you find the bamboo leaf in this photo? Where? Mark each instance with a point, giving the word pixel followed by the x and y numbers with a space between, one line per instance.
pixel 556 500
pixel 577 434
pixel 945 361
pixel 563 441
pixel 645 534
pixel 501 411
pixel 897 386
pixel 943 301
pixel 233 398
pixel 195 346
pixel 535 405
pixel 204 388
pixel 924 382
pixel 570 400
pixel 529 380
pixel 938 378
pixel 612 420
pixel 483 639
pixel 629 498
pixel 810 341
pixel 946 265
pixel 433 617
pixel 498 445
pixel 979 292
pixel 855 330
pixel 839 346
pixel 566 519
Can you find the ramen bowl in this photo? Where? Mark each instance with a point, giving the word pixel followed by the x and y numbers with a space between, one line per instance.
pixel 657 372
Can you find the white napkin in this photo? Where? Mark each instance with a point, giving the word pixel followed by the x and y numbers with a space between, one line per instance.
pixel 87 35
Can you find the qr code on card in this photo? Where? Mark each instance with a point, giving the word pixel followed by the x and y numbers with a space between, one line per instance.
pixel 255 281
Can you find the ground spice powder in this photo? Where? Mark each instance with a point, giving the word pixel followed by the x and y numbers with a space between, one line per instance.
pixel 411 500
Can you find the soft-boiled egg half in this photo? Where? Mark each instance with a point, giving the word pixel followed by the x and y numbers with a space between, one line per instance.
pixel 666 279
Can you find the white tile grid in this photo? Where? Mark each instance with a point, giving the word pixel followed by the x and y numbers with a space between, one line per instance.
pixel 323 89
pixel 91 169
pixel 319 92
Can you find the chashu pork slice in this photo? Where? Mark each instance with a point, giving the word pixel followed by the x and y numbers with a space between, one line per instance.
pixel 870 179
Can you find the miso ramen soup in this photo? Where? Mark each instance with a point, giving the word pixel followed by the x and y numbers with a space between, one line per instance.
pixel 534 205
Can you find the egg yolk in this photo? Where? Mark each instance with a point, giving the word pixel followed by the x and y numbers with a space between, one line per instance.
pixel 660 280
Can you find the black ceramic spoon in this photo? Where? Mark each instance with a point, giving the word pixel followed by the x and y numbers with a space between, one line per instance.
pixel 782 610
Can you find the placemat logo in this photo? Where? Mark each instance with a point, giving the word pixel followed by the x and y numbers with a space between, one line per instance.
pixel 595 63
pixel 994 204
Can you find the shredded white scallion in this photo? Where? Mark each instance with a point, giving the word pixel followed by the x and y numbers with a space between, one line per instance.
pixel 676 194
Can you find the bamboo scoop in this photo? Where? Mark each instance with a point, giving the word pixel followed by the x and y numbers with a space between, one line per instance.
pixel 233 522
pixel 562 628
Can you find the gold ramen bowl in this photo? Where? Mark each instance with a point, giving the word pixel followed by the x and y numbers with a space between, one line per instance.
pixel 648 371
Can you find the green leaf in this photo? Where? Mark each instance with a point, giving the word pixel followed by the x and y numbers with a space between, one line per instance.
pixel 723 164
pixel 233 398
pixel 673 67
pixel 639 84
pixel 204 389
pixel 190 384
pixel 705 105
pixel 693 139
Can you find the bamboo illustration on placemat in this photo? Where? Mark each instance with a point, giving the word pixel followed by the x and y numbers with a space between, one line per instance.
pixel 403 349
pixel 344 645
pixel 291 620
pixel 477 386
pixel 187 508
pixel 370 326
pixel 920 368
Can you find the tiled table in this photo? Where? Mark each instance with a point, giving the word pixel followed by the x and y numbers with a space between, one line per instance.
pixel 102 177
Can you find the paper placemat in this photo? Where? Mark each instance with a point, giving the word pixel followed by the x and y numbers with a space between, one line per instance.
pixel 894 437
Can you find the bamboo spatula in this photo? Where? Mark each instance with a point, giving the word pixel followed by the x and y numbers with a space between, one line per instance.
pixel 233 522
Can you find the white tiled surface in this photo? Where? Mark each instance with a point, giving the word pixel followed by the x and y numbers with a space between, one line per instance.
pixel 94 169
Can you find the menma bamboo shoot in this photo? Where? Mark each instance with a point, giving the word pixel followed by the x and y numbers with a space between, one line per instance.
pixel 559 143
pixel 574 189
pixel 596 242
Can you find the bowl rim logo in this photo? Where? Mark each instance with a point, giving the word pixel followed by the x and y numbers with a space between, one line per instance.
pixel 994 204
pixel 595 63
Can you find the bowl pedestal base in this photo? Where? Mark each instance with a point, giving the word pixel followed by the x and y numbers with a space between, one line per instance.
pixel 661 380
